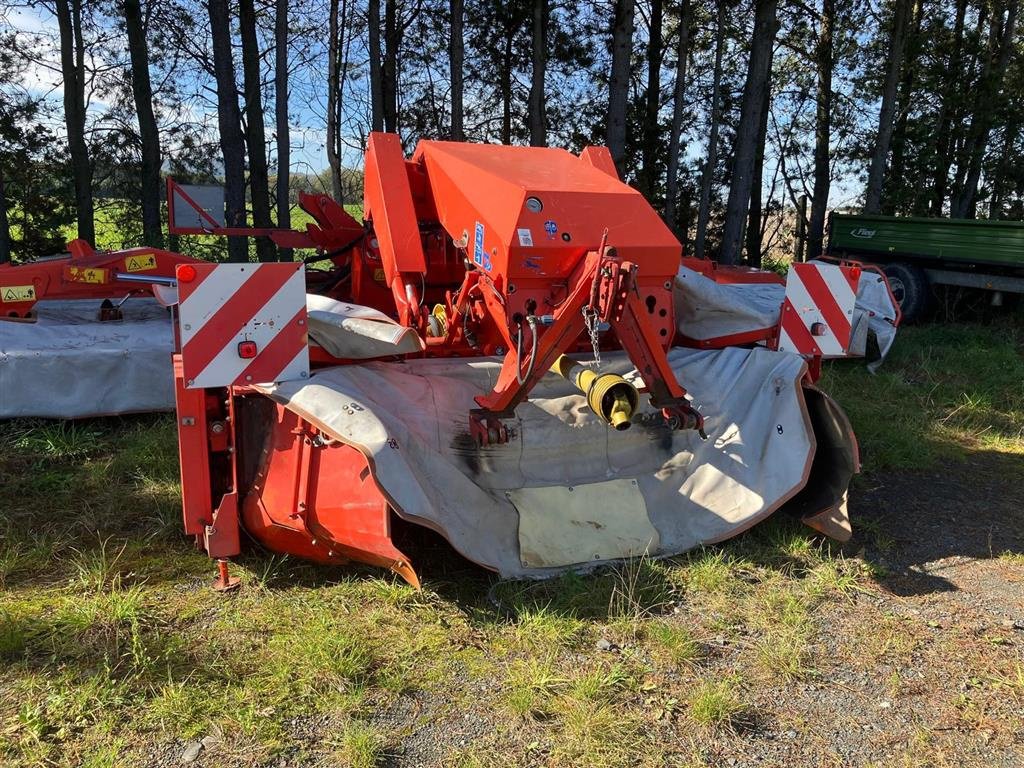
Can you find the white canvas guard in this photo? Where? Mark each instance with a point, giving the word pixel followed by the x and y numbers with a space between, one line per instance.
pixel 708 310
pixel 355 332
pixel 410 420
pixel 68 365
pixel 876 313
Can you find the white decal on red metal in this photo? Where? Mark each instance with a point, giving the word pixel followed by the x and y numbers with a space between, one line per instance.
pixel 817 313
pixel 242 324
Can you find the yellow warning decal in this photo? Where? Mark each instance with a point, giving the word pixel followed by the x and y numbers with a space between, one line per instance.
pixel 87 275
pixel 140 263
pixel 14 293
pixel 378 275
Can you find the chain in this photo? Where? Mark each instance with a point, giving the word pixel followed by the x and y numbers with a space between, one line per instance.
pixel 590 322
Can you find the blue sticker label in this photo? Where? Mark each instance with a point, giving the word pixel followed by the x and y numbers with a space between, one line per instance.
pixel 533 266
pixel 551 228
pixel 478 246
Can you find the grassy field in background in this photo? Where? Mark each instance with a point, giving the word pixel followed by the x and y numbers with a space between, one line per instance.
pixel 115 651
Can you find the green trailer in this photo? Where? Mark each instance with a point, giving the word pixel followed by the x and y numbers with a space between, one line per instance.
pixel 919 253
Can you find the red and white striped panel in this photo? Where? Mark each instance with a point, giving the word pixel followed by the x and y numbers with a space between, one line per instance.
pixel 817 314
pixel 242 323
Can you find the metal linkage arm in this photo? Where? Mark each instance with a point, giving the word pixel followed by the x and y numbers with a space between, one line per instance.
pixel 522 370
pixel 641 344
pixel 604 288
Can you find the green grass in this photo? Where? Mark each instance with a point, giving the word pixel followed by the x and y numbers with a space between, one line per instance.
pixel 674 643
pixel 716 704
pixel 944 391
pixel 361 746
pixel 113 646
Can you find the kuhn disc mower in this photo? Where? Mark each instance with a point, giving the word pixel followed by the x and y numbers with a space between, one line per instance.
pixel 493 357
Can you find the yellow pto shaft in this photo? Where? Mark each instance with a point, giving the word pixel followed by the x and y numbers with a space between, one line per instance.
pixel 609 395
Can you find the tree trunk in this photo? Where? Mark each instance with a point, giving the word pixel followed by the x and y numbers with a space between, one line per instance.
pixel 995 206
pixel 335 34
pixel 506 89
pixel 456 49
pixel 229 122
pixel 652 102
pixel 149 136
pixel 376 73
pixel 333 83
pixel 284 209
pixel 745 152
pixel 943 144
pixel 973 74
pixel 72 63
pixel 389 75
pixel 537 106
pixel 876 174
pixel 754 216
pixel 675 148
pixel 5 225
pixel 822 132
pixel 711 160
pixel 618 83
pixel 897 186
pixel 256 138
pixel 981 125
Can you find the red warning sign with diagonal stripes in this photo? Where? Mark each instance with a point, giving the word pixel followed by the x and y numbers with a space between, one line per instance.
pixel 817 313
pixel 242 323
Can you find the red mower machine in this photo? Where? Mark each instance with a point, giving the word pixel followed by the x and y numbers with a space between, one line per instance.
pixel 496 355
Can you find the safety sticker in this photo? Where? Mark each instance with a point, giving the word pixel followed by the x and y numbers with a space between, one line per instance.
pixel 525 238
pixel 140 263
pixel 551 228
pixel 378 275
pixel 480 256
pixel 478 245
pixel 13 293
pixel 93 275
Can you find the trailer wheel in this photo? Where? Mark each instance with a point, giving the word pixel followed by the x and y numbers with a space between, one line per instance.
pixel 909 286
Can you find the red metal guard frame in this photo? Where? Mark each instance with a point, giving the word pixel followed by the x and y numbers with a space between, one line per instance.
pixel 201 435
pixel 389 204
pixel 285 238
pixel 606 286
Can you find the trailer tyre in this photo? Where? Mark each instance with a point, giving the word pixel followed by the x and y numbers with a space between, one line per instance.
pixel 909 286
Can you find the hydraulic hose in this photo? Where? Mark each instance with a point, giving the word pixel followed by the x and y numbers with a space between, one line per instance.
pixel 532 322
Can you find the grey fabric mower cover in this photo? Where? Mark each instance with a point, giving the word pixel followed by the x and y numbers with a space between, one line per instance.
pixel 68 365
pixel 568 491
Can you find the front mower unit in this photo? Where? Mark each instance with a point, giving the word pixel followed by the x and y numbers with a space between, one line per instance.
pixel 491 358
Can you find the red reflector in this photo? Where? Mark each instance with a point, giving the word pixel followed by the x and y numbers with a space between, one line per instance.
pixel 855 273
pixel 186 273
pixel 247 349
pixel 817 329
